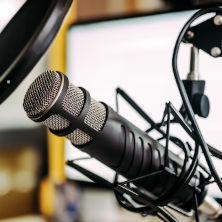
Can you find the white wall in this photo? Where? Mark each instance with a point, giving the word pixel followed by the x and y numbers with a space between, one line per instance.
pixel 7 10
pixel 12 114
pixel 136 56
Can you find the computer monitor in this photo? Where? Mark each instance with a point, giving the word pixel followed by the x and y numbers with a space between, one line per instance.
pixel 135 54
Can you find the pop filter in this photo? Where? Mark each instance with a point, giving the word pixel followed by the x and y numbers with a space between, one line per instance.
pixel 25 39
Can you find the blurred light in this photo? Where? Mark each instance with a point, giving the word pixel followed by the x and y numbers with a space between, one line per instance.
pixel 5 182
pixel 24 181
pixel 7 9
pixel 28 159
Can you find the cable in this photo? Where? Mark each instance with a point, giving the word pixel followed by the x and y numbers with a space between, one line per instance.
pixel 196 208
pixel 185 98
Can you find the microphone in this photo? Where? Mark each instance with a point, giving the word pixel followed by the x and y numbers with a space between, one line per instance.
pixel 95 128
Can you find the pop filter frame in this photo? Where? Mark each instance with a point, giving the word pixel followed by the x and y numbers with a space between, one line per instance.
pixel 26 38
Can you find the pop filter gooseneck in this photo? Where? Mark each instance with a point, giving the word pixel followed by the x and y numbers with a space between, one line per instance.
pixel 26 38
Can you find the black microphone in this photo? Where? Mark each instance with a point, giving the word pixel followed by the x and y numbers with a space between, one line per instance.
pixel 98 130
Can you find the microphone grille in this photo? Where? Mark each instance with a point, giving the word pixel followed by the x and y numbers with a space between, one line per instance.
pixel 74 100
pixel 42 93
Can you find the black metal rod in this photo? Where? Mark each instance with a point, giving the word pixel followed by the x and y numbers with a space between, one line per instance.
pixel 142 177
pixel 90 175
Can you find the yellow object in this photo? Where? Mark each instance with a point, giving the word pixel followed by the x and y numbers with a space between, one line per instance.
pixel 57 61
pixel 47 197
pixel 56 157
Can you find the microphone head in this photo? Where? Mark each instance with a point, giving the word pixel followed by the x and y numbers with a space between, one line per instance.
pixel 43 94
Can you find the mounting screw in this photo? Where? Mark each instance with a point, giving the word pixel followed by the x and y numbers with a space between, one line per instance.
pixel 218 20
pixel 190 35
pixel 215 51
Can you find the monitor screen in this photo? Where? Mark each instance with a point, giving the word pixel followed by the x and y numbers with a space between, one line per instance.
pixel 135 54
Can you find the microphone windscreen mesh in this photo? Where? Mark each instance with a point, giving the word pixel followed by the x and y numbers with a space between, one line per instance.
pixel 56 122
pixel 74 100
pixel 44 91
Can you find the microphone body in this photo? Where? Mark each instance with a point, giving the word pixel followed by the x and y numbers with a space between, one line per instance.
pixel 95 128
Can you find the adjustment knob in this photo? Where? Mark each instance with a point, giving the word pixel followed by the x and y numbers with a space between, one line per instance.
pixel 201 105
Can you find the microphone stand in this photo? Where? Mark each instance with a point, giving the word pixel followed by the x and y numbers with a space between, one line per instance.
pixel 148 203
pixel 152 205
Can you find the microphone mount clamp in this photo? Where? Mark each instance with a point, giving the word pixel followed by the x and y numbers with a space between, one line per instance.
pixel 207 36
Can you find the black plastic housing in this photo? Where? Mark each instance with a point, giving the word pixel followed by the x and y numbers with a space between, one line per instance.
pixel 199 101
pixel 129 151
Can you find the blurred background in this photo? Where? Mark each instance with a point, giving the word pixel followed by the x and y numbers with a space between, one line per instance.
pixel 102 44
